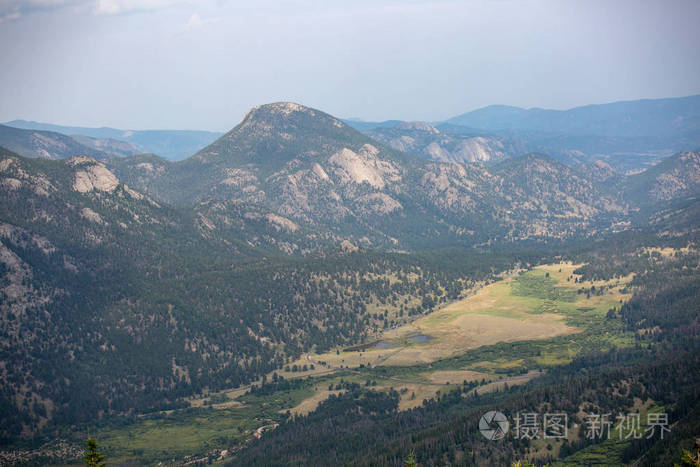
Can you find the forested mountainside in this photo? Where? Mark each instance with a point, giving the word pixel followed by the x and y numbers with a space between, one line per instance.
pixel 675 177
pixel 46 144
pixel 112 301
pixel 364 427
pixel 131 283
pixel 171 144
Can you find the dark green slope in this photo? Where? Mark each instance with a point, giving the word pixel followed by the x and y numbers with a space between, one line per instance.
pixel 113 302
pixel 85 263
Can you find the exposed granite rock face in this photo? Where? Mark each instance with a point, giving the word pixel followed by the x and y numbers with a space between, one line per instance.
pixel 309 168
pixel 92 175
pixel 425 140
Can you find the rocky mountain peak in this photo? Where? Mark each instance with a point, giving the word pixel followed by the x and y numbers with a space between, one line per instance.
pixel 418 126
pixel 274 134
pixel 284 108
pixel 286 114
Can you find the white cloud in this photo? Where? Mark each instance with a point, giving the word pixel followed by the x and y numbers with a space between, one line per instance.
pixel 115 7
pixel 196 22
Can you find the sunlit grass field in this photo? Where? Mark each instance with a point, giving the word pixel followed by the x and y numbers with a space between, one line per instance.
pixel 508 332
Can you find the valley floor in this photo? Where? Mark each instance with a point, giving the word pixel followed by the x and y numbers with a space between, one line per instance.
pixel 504 334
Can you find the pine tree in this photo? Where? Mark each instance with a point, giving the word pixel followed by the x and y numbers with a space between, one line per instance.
pixel 92 457
pixel 689 459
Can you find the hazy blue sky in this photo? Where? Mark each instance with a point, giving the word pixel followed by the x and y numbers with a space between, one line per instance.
pixel 201 64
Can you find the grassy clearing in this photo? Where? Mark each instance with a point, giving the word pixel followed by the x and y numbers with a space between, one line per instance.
pixel 198 431
pixel 311 403
pixel 541 305
pixel 500 384
pixel 172 437
pixel 507 332
pixel 544 294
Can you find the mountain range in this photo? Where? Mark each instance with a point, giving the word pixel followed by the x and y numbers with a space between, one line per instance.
pixel 672 117
pixel 129 283
pixel 629 136
pixel 317 173
pixel 46 144
pixel 171 144
pixel 297 179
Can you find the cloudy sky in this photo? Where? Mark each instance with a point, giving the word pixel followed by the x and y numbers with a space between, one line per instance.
pixel 201 64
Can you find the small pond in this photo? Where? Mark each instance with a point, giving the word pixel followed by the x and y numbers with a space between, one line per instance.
pixel 383 345
pixel 420 338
